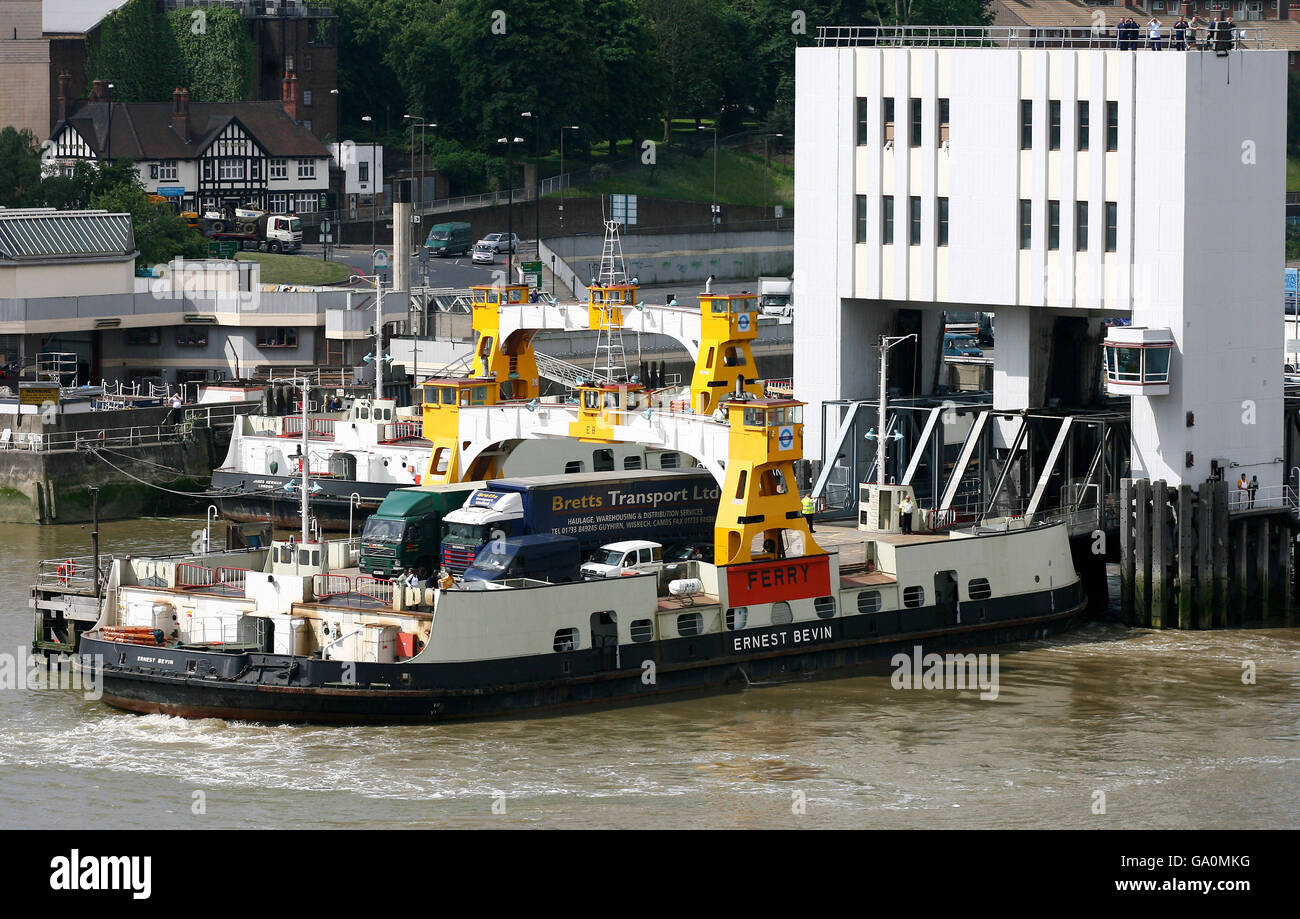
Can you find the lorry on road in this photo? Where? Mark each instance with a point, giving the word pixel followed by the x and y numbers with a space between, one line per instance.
pixel 678 505
pixel 252 229
pixel 406 530
pixel 776 296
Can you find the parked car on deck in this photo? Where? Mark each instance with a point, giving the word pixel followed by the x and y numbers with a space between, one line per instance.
pixel 955 345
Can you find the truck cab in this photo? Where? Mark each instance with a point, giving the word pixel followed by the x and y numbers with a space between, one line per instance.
pixel 619 559
pixel 541 557
pixel 406 531
pixel 486 515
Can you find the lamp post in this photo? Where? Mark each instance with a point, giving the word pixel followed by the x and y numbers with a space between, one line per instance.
pixel 374 199
pixel 766 166
pixel 714 208
pixel 338 115
pixel 537 179
pixel 510 207
pixel 108 138
pixel 417 123
pixel 563 128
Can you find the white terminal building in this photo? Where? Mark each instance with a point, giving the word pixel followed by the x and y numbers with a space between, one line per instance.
pixel 1043 183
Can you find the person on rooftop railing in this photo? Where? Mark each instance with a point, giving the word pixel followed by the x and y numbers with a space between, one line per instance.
pixel 1153 33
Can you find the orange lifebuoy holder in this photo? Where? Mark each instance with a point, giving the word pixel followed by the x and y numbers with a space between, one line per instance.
pixel 66 570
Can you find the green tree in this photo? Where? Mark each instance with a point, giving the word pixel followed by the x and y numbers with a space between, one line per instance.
pixel 136 51
pixel 1293 112
pixel 20 168
pixel 160 234
pixel 216 53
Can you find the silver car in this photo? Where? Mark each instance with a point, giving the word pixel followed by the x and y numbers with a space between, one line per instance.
pixel 500 242
pixel 484 254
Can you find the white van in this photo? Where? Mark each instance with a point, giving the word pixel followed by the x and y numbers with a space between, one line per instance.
pixel 632 556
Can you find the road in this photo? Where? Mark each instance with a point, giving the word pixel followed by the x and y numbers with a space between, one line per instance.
pixel 443 272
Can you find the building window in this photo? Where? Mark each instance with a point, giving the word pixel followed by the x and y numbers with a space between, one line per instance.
pixel 642 630
pixel 1026 223
pixel 887 220
pixel 1026 124
pixel 1112 225
pixel 231 169
pixel 737 616
pixel 207 170
pixel 1081 226
pixel 1054 125
pixel 864 117
pixel 278 202
pixel 869 601
pixel 825 607
pixel 363 172
pixel 1053 224
pixel 979 588
pixel 306 169
pixel 943 121
pixel 255 169
pixel 306 62
pixel 915 138
pixel 279 169
pixel 566 640
pixel 307 124
pixel 914 221
pixel 689 624
pixel 277 338
pixel 889 118
pixel 941 225
pixel 1082 131
pixel 306 97
pixel 167 171
pixel 1112 126
pixel 190 337
pixel 138 338
pixel 913 596
pixel 860 232
pixel 307 204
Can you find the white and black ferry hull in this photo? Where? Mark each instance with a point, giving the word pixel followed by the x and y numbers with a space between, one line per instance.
pixel 245 498
pixel 255 686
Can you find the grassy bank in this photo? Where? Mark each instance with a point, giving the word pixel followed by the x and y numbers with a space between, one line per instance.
pixel 690 178
pixel 296 269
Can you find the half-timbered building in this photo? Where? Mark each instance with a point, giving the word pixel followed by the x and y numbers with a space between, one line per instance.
pixel 202 156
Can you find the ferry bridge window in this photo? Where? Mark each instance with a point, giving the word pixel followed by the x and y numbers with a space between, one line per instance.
pixel 448 395
pixel 753 417
pixel 590 399
pixel 566 640
pixel 825 607
pixel 737 616
pixel 979 589
pixel 1157 369
pixel 781 614
pixel 742 305
pixel 642 630
pixel 913 596
pixel 478 395
pixel 719 306
pixel 602 460
pixel 690 624
pixel 868 601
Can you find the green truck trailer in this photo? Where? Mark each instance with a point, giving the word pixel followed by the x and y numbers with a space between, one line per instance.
pixel 406 531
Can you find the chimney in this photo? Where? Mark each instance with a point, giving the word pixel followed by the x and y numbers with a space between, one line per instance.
pixel 289 95
pixel 65 93
pixel 99 90
pixel 181 113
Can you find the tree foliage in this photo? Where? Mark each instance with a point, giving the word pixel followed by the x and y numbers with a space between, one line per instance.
pixel 20 167
pixel 160 233
pixel 216 53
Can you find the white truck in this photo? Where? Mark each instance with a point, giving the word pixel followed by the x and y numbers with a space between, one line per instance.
pixel 252 229
pixel 776 296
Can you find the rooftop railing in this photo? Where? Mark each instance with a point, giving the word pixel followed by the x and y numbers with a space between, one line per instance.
pixel 1062 36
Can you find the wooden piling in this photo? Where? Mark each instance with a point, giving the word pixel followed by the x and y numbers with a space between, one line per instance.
pixel 1203 607
pixel 1262 561
pixel 1159 552
pixel 1219 614
pixel 1142 570
pixel 1241 574
pixel 1127 554
pixel 1186 547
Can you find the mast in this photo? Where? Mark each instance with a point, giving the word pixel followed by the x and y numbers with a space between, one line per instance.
pixel 379 338
pixel 882 442
pixel 304 464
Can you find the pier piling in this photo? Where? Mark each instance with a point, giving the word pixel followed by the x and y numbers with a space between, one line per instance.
pixel 1127 553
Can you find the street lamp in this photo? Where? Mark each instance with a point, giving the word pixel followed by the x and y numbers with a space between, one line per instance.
pixel 766 166
pixel 417 123
pixel 537 168
pixel 510 208
pixel 563 128
pixel 714 208
pixel 108 138
pixel 373 198
pixel 338 115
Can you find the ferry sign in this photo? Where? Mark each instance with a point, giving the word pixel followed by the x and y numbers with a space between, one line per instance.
pixel 785 437
pixel 779 579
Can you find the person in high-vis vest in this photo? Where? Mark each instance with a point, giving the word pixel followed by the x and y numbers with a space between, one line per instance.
pixel 809 508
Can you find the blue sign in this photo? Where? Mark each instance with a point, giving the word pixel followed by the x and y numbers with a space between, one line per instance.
pixel 785 437
pixel 742 322
pixel 171 191
pixel 1293 280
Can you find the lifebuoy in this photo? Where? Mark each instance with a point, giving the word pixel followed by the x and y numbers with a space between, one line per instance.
pixel 66 570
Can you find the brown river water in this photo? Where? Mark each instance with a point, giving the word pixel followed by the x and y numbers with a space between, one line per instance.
pixel 1161 724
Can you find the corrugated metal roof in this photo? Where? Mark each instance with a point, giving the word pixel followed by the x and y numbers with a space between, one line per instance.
pixel 45 233
pixel 75 17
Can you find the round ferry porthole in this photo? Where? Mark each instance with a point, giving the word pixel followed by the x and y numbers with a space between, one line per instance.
pixel 1037 579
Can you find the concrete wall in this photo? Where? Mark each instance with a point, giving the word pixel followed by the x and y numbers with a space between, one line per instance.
pixel 24 68
pixel 79 279
pixel 683 257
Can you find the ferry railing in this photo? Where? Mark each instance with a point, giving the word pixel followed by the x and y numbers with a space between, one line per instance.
pixel 330 585
pixel 401 430
pixel 375 589
pixel 1101 35
pixel 190 576
pixel 232 577
pixel 213 629
pixel 1269 496
pixel 73 574
pixel 217 416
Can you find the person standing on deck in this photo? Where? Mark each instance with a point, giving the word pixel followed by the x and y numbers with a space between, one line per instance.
pixel 1153 33
pixel 1242 488
pixel 809 508
pixel 1254 487
pixel 905 508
